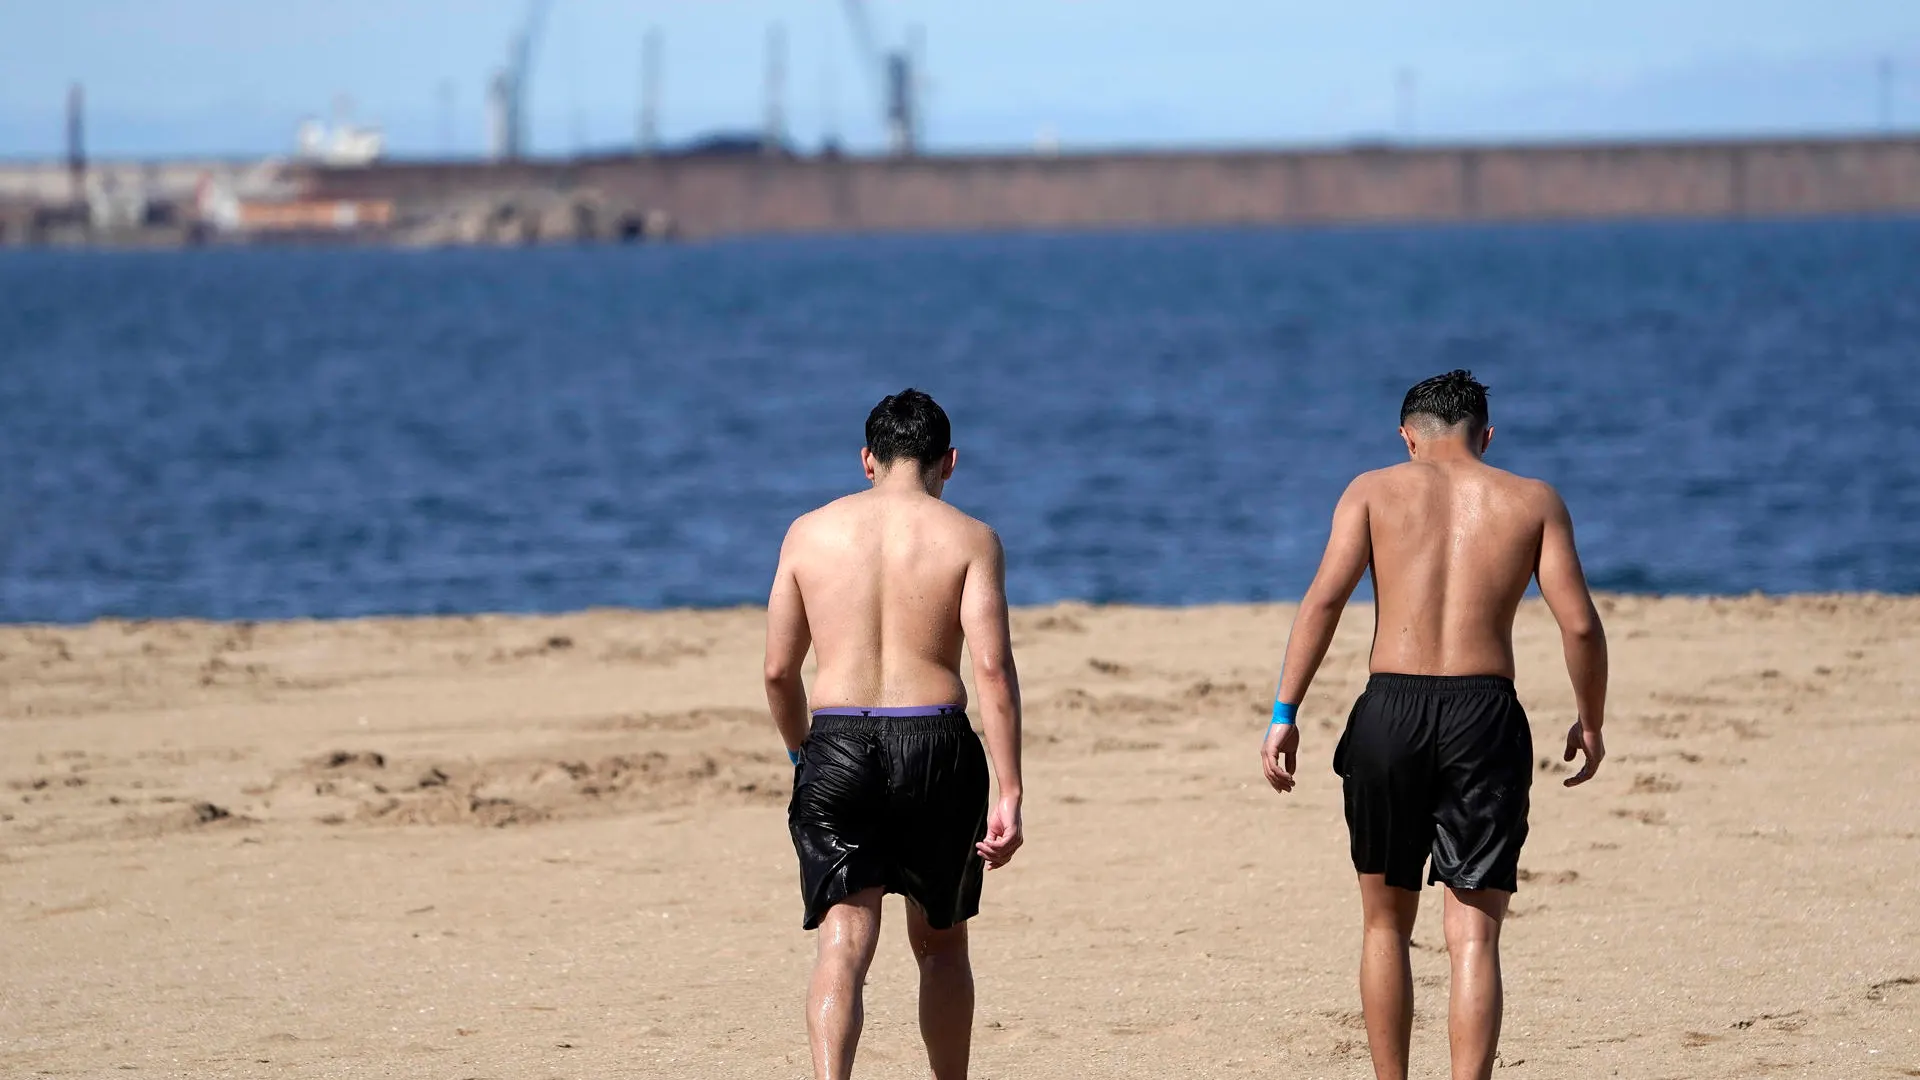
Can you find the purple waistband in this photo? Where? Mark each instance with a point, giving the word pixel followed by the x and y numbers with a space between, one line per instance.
pixel 909 712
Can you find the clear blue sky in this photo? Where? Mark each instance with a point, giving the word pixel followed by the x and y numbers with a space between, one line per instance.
pixel 235 76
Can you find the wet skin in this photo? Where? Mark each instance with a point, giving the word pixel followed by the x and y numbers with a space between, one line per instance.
pixel 1452 544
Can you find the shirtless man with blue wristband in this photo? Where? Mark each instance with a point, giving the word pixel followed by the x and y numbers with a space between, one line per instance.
pixel 1437 757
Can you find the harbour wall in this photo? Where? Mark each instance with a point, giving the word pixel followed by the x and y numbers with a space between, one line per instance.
pixel 719 196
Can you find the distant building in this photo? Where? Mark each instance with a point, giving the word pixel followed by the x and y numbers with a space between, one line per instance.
pixel 340 144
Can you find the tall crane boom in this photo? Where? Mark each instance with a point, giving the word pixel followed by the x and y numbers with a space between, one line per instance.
pixel 512 83
pixel 870 60
pixel 892 77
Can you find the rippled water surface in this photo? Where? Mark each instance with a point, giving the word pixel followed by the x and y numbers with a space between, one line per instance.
pixel 1160 418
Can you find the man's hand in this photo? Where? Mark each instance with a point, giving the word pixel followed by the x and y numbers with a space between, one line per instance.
pixel 1003 833
pixel 1279 755
pixel 1586 740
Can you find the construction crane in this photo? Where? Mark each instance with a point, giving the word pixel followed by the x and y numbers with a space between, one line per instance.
pixel 507 98
pixel 891 75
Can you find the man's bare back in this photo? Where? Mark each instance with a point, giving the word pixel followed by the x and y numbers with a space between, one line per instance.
pixel 890 781
pixel 1453 545
pixel 884 578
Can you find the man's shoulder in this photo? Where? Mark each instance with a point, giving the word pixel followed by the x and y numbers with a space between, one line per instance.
pixel 1385 473
pixel 1527 487
pixel 824 518
pixel 843 513
pixel 1525 498
pixel 1374 480
pixel 1409 475
pixel 964 526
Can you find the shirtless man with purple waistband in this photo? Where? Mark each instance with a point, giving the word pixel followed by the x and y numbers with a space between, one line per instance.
pixel 890 782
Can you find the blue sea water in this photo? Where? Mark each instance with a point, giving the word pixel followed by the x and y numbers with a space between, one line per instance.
pixel 1162 418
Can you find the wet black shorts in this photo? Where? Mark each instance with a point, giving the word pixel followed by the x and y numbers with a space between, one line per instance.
pixel 893 798
pixel 1437 765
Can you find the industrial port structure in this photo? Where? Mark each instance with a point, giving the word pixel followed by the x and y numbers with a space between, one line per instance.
pixel 656 197
pixel 341 188
pixel 611 198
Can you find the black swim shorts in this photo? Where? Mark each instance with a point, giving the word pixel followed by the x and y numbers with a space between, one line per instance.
pixel 895 799
pixel 1437 765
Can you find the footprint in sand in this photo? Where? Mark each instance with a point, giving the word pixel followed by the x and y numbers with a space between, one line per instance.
pixel 1654 784
pixel 1693 1040
pixel 1346 1018
pixel 1878 991
pixel 1791 1020
pixel 1545 877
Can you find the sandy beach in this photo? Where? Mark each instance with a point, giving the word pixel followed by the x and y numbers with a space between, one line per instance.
pixel 556 847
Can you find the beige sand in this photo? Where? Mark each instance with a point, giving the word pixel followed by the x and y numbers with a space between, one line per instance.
pixel 556 847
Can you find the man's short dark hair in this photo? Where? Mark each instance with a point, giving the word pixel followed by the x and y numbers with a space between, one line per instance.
pixel 1451 398
pixel 908 424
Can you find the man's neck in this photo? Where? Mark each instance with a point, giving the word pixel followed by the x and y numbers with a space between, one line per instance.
pixel 1446 452
pixel 902 480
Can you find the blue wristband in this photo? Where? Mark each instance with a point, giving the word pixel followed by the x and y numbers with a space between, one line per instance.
pixel 793 756
pixel 1283 712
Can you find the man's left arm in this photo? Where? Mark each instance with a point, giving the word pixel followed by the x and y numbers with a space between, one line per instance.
pixel 1349 548
pixel 788 639
pixel 983 619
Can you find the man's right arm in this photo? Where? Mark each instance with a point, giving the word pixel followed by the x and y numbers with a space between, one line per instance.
pixel 1349 550
pixel 788 638
pixel 1584 641
pixel 983 619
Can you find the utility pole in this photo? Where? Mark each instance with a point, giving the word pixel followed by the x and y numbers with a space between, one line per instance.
pixel 500 117
pixel 444 100
pixel 917 86
pixel 1886 94
pixel 648 140
pixel 77 143
pixel 1406 94
pixel 829 105
pixel 775 136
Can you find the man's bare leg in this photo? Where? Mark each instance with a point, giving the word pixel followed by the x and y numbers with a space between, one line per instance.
pixel 1386 976
pixel 835 1008
pixel 946 994
pixel 1474 1003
